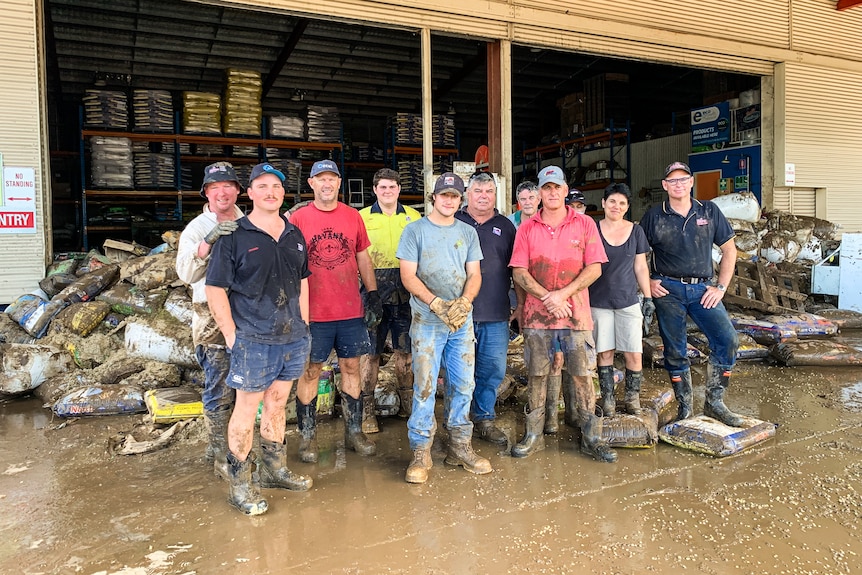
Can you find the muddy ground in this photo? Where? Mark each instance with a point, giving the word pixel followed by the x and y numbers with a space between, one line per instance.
pixel 790 505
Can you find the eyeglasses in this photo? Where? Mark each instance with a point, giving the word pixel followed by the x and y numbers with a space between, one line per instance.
pixel 678 181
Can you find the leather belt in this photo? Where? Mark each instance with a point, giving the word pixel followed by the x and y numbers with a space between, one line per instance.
pixel 689 280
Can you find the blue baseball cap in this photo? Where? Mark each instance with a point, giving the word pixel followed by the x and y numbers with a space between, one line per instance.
pixel 324 166
pixel 262 169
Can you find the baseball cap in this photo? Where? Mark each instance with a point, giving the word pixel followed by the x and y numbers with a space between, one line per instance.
pixel 262 169
pixel 449 182
pixel 324 166
pixel 219 172
pixel 576 195
pixel 552 174
pixel 677 166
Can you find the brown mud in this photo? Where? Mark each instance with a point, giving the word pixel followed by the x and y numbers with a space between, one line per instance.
pixel 790 505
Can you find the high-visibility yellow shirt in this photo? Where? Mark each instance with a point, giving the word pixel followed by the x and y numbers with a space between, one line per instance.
pixel 385 232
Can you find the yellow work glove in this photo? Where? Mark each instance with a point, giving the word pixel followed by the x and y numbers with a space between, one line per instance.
pixel 440 307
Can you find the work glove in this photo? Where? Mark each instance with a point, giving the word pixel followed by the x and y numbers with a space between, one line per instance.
pixel 440 307
pixel 459 311
pixel 221 229
pixel 648 311
pixel 373 309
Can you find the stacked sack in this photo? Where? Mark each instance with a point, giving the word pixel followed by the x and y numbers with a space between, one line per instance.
pixel 106 109
pixel 242 109
pixel 201 113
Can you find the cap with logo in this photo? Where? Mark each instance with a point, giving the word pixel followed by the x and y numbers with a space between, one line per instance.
pixel 552 174
pixel 262 169
pixel 676 166
pixel 324 166
pixel 219 172
pixel 449 183
pixel 576 195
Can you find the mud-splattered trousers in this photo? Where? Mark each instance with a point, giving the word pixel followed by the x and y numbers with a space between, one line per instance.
pixel 434 345
pixel 215 361
pixel 671 311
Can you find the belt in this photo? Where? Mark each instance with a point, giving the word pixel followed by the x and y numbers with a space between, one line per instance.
pixel 688 280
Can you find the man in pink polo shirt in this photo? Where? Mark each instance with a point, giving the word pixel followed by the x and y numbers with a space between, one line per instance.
pixel 557 255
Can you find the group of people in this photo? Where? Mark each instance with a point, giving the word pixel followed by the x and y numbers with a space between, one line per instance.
pixel 274 294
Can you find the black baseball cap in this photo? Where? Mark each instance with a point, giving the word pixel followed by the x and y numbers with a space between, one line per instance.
pixel 219 172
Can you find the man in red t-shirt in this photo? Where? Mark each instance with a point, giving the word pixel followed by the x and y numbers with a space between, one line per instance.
pixel 337 257
pixel 558 253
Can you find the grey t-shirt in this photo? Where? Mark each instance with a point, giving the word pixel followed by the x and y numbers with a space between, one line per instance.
pixel 617 287
pixel 441 254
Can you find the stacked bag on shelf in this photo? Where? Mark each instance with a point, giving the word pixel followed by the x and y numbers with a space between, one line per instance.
pixel 111 163
pixel 242 108
pixel 154 170
pixel 287 127
pixel 106 109
pixel 324 124
pixel 153 111
pixel 201 113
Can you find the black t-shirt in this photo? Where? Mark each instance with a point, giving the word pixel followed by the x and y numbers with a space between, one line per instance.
pixel 682 245
pixel 617 287
pixel 496 238
pixel 263 279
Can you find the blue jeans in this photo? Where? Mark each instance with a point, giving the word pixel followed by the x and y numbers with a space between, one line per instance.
pixel 492 344
pixel 215 361
pixel 671 310
pixel 434 345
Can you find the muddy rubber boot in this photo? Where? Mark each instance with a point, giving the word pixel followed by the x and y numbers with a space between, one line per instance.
pixel 570 417
pixel 533 439
pixel 552 402
pixel 632 400
pixel 591 439
pixel 681 383
pixel 369 417
pixel 353 437
pixel 273 468
pixel 487 430
pixel 306 421
pixel 717 381
pixel 420 465
pixel 461 453
pixel 405 396
pixel 217 422
pixel 244 494
pixel 608 403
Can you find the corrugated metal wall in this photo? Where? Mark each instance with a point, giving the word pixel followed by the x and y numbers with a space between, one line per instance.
pixel 649 159
pixel 817 128
pixel 821 29
pixel 22 256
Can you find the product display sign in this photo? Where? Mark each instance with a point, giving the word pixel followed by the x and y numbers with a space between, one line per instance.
pixel 18 201
pixel 710 126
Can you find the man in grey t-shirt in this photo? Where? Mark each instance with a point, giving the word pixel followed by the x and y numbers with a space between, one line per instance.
pixel 439 259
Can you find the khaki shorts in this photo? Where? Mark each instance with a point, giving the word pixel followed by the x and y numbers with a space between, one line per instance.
pixel 619 329
pixel 579 352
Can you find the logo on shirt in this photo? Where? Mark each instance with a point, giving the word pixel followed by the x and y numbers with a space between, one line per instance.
pixel 497 231
pixel 299 247
pixel 254 249
pixel 329 249
pixel 237 379
pixel 702 221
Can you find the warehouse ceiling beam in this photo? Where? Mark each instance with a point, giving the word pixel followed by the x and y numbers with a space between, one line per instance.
pixel 847 4
pixel 284 55
pixel 455 79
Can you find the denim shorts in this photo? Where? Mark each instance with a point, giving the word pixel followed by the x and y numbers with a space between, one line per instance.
pixel 349 337
pixel 254 366
pixel 396 322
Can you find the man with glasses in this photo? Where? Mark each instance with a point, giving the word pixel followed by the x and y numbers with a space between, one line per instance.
pixel 220 189
pixel 491 308
pixel 681 232
pixel 528 199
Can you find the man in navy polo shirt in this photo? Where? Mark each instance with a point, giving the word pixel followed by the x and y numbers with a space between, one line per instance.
pixel 681 232
pixel 491 308
pixel 257 290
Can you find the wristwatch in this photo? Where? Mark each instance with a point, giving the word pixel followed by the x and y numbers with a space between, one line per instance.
pixel 721 287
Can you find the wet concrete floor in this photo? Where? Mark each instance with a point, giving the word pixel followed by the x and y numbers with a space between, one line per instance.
pixel 790 505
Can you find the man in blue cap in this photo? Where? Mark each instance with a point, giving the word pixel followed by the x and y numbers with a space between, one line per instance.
pixel 220 188
pixel 257 289
pixel 337 253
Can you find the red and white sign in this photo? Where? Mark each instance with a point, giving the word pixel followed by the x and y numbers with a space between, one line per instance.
pixel 18 206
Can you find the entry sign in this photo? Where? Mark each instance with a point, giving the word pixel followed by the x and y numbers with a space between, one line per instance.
pixel 789 174
pixel 18 206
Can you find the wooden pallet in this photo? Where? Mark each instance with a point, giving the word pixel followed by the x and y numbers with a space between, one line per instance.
pixel 773 291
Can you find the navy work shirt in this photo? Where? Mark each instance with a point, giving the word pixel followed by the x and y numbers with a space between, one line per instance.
pixel 682 245
pixel 496 238
pixel 263 279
